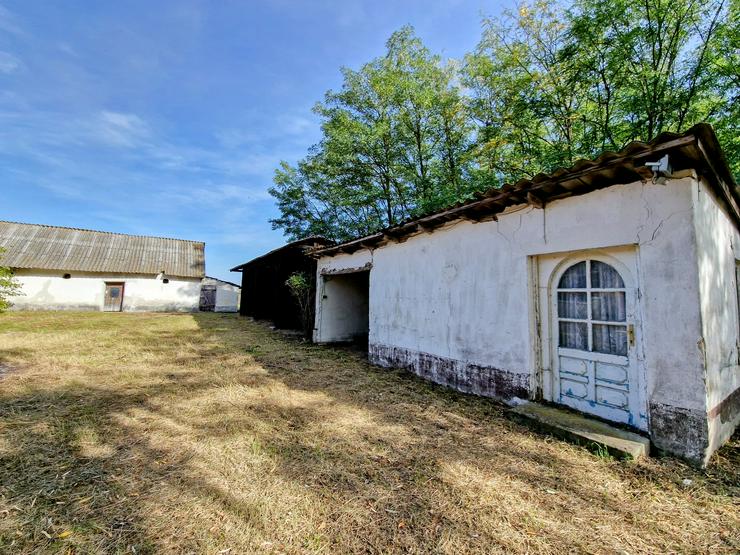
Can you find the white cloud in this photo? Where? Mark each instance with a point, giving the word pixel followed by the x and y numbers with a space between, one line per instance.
pixel 298 127
pixel 295 125
pixel 118 129
pixel 222 196
pixel 8 23
pixel 67 48
pixel 8 62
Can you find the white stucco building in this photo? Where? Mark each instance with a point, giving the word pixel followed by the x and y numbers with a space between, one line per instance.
pixel 62 268
pixel 217 295
pixel 610 287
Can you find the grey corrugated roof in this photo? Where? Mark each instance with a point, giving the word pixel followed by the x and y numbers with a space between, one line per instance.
pixel 49 247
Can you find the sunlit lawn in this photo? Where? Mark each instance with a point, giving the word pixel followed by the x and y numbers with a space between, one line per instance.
pixel 209 433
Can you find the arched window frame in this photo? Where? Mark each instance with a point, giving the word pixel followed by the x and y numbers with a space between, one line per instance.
pixel 623 325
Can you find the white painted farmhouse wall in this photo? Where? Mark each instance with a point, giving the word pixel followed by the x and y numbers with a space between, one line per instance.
pixel 48 290
pixel 718 249
pixel 465 296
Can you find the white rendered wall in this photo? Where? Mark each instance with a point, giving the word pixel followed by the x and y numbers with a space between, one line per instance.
pixel 463 292
pixel 718 247
pixel 48 290
pixel 227 298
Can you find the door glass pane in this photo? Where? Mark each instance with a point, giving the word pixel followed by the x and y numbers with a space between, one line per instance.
pixel 604 276
pixel 574 277
pixel 574 335
pixel 114 292
pixel 608 307
pixel 573 305
pixel 611 340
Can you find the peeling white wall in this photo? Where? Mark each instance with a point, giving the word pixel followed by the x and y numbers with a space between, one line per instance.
pixel 463 292
pixel 718 243
pixel 48 290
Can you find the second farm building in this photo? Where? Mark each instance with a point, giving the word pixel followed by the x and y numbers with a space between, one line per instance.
pixel 610 288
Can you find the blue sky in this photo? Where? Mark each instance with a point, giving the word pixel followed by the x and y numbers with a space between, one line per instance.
pixel 168 117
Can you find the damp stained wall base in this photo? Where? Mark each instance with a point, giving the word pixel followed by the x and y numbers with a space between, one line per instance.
pixel 486 381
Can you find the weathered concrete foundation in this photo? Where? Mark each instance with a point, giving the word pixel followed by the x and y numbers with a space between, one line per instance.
pixel 680 431
pixel 457 374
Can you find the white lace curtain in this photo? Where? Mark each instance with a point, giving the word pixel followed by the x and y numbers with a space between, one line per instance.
pixel 599 306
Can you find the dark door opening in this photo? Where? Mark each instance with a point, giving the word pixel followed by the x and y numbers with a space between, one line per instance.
pixel 207 298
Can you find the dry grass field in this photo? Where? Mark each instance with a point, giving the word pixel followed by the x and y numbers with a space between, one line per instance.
pixel 145 433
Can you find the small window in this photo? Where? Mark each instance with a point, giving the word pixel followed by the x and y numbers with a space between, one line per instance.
pixel 67 276
pixel 591 305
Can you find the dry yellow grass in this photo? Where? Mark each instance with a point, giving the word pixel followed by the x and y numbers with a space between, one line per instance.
pixel 124 433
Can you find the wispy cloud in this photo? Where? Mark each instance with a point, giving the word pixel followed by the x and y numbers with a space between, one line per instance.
pixel 8 62
pixel 118 129
pixel 8 22
pixel 295 124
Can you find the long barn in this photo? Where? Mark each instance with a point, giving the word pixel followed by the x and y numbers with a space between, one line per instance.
pixel 62 268
pixel 610 288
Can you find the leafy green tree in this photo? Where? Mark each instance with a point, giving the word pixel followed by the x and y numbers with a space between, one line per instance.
pixel 724 59
pixel 395 144
pixel 657 58
pixel 525 95
pixel 549 83
pixel 9 286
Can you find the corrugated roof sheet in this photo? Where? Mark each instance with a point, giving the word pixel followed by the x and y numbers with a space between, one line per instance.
pixel 63 248
pixel 696 149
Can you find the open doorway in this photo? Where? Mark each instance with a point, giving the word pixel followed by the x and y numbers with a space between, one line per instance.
pixel 344 308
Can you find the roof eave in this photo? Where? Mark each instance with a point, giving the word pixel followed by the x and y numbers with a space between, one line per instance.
pixel 698 149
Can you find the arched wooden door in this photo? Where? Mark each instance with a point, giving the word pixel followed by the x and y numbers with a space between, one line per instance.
pixel 592 335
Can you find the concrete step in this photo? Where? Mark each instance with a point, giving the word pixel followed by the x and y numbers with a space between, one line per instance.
pixel 583 430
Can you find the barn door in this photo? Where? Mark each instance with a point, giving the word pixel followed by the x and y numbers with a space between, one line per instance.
pixel 113 297
pixel 594 357
pixel 208 298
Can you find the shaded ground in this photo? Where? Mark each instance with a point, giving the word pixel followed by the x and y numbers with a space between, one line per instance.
pixel 125 433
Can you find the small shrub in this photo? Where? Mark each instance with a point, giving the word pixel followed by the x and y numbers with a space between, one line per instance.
pixel 9 286
pixel 301 286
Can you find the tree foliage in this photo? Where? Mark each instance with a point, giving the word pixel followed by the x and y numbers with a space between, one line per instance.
pixel 302 287
pixel 9 286
pixel 548 84
pixel 395 144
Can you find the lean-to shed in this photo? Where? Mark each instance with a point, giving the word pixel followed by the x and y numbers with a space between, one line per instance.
pixel 264 293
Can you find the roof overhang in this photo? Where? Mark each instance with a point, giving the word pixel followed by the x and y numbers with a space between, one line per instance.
pixel 309 243
pixel 697 149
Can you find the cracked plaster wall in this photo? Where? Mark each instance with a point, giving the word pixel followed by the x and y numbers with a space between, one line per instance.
pixel 462 293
